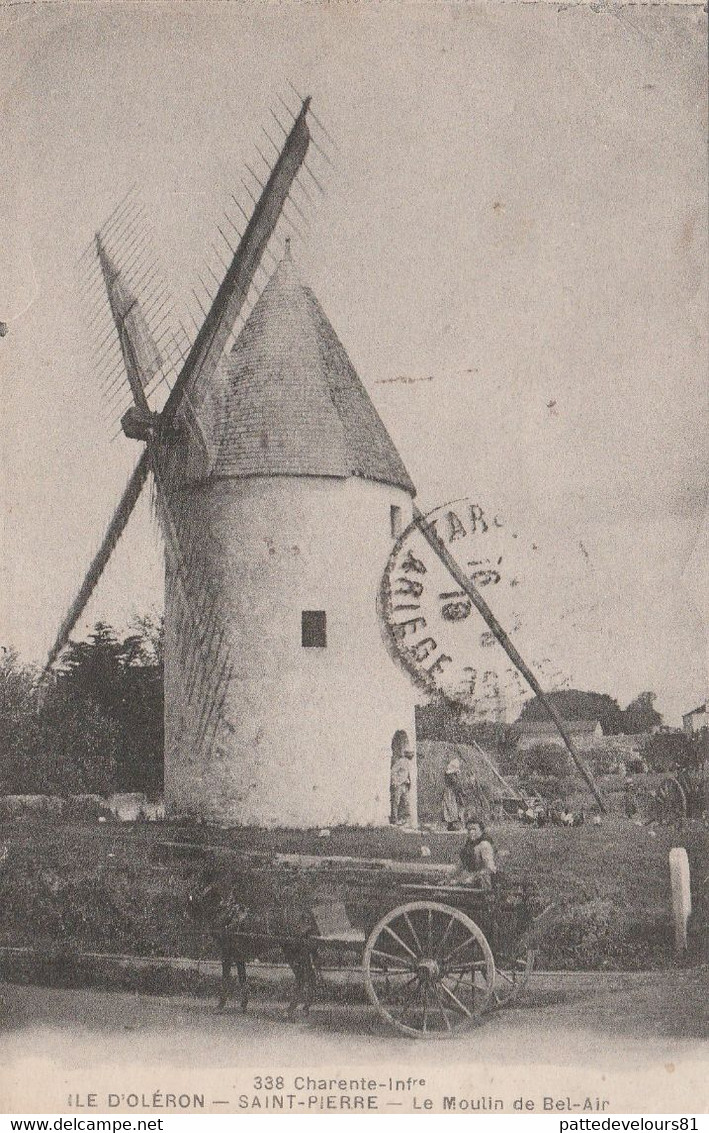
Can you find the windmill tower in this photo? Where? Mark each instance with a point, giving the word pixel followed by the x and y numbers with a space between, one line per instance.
pixel 294 521
pixel 279 495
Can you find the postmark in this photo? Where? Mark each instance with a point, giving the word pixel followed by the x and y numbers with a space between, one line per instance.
pixel 535 592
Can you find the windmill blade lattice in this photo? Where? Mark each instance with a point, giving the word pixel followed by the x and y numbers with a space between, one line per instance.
pixel 129 309
pixel 127 292
pixel 199 617
pixel 231 295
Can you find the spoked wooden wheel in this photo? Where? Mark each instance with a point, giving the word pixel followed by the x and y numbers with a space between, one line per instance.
pixel 428 969
pixel 511 981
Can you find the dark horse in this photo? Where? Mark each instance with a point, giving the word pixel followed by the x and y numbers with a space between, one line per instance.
pixel 245 932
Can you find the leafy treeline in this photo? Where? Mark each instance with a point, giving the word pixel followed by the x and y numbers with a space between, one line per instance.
pixel 572 704
pixel 94 726
pixel 439 721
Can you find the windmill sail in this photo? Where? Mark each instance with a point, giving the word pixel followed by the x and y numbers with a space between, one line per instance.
pixel 173 437
pixel 140 352
pixel 115 530
pixel 199 613
pixel 199 616
pixel 198 372
pixel 468 586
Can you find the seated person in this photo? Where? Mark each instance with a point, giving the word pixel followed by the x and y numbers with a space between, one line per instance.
pixel 477 863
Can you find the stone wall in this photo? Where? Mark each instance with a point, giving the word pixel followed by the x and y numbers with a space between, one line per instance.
pixel 129 807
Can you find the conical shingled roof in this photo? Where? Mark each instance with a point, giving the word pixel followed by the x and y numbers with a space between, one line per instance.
pixel 294 404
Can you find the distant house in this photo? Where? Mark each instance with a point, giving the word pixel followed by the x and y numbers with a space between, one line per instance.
pixel 536 733
pixel 694 721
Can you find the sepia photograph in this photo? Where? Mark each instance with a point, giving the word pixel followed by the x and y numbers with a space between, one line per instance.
pixel 354 605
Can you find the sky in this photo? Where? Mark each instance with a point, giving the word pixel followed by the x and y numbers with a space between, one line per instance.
pixel 511 246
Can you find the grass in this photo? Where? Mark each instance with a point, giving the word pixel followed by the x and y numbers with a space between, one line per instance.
pixel 69 887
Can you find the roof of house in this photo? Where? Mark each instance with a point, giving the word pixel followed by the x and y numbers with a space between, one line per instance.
pixel 548 728
pixel 294 404
pixel 697 711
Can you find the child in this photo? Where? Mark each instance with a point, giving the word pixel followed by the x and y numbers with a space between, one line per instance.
pixel 477 864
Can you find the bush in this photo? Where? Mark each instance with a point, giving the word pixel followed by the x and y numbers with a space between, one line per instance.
pixel 545 771
pixel 668 752
pixel 604 759
pixel 109 908
pixel 551 787
pixel 547 760
pixel 599 934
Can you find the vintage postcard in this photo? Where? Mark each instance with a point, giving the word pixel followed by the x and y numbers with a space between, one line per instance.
pixel 354 739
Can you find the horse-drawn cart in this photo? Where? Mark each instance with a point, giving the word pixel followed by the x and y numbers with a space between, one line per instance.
pixel 434 955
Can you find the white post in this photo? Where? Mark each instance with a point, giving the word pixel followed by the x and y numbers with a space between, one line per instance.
pixel 681 894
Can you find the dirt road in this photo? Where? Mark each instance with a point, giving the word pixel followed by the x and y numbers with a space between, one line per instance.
pixel 606 1033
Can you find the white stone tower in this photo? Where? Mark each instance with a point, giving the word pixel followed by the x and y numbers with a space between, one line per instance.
pixel 294 521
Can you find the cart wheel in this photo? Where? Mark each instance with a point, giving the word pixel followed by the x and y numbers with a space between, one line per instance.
pixel 428 969
pixel 511 982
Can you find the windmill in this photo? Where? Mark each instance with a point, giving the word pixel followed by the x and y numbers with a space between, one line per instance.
pixel 278 493
pixel 269 468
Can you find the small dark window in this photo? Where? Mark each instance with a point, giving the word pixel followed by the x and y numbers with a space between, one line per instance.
pixel 313 628
pixel 396 524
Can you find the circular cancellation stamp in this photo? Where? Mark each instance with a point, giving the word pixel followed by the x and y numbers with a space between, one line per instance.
pixel 443 641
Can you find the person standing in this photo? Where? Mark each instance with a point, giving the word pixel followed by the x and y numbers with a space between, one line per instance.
pixel 401 758
pixel 453 795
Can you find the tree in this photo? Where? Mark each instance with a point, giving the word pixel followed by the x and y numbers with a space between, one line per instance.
pixel 96 727
pixel 641 715
pixel 124 677
pixel 546 770
pixel 81 748
pixel 573 704
pixel 92 669
pixel 51 743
